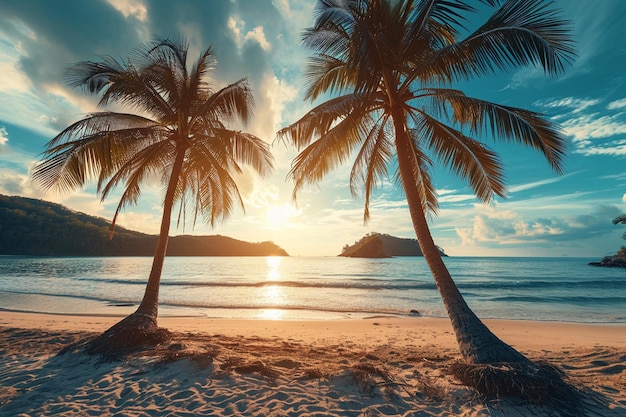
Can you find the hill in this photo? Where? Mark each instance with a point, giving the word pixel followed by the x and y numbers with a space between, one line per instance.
pixel 36 227
pixel 377 245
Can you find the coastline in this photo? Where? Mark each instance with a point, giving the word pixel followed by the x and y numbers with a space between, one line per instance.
pixel 523 334
pixel 347 367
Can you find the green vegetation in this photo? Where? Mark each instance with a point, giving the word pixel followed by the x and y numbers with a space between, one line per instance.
pixel 377 245
pixel 37 227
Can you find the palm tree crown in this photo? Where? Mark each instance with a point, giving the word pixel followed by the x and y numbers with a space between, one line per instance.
pixel 401 57
pixel 179 115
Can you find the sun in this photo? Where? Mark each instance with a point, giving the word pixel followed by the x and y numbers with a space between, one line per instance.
pixel 278 216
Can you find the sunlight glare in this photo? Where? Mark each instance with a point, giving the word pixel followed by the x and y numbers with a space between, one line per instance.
pixel 278 216
pixel 271 314
pixel 273 295
pixel 273 263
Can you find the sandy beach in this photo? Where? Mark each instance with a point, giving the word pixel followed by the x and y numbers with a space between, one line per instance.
pixel 380 366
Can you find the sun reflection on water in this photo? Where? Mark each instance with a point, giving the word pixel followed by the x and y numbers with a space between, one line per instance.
pixel 271 314
pixel 273 263
pixel 272 294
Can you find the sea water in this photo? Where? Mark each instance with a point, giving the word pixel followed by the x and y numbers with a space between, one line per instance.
pixel 558 289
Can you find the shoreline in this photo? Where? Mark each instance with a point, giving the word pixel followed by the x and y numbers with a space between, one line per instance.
pixel 382 366
pixel 524 334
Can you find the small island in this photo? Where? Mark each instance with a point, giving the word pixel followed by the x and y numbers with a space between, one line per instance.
pixel 614 261
pixel 40 228
pixel 619 259
pixel 378 245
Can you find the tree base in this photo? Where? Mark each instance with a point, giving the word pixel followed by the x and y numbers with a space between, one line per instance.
pixel 135 332
pixel 540 383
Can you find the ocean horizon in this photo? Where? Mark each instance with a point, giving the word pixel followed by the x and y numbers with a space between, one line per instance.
pixel 544 289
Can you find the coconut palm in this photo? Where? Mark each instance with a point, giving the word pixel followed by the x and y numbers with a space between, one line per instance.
pixel 389 68
pixel 177 132
pixel 621 219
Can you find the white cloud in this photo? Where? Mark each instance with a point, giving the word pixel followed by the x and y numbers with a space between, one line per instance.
pixel 624 198
pixel 237 27
pixel 577 104
pixel 593 126
pixel 614 148
pixel 456 198
pixel 617 104
pixel 257 34
pixel 135 8
pixel 279 93
pixel 495 227
pixel 4 136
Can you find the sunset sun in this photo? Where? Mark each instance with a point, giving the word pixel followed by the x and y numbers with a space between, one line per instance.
pixel 279 216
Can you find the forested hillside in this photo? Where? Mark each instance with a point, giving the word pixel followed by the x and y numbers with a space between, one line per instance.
pixel 36 227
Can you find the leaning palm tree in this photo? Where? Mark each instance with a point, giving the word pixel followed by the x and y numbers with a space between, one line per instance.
pixel 177 131
pixel 389 68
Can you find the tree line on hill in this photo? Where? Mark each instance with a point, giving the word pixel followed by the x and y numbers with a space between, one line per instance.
pixel 36 227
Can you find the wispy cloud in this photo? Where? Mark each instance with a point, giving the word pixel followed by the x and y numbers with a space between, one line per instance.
pixel 535 184
pixel 617 104
pixel 576 105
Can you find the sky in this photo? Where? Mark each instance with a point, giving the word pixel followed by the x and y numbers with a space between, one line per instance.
pixel 544 214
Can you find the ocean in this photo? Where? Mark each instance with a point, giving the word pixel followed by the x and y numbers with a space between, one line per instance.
pixel 551 289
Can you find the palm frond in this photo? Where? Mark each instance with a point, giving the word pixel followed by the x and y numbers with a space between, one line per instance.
pixel 200 72
pixel 620 219
pixel 234 100
pixel 252 151
pixel 466 157
pixel 94 77
pixel 332 149
pixel 371 162
pixel 321 119
pixel 104 142
pixel 420 173
pixel 504 122
pixel 207 174
pixel 326 74
pixel 519 33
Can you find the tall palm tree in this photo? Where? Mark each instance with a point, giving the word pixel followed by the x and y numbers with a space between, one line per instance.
pixel 389 67
pixel 177 131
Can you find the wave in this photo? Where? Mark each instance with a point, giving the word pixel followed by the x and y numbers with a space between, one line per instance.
pixel 582 300
pixel 376 284
pixel 233 306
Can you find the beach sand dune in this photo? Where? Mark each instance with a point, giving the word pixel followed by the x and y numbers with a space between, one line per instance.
pixel 374 367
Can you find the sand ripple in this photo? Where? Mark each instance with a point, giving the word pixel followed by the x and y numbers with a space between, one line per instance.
pixel 203 375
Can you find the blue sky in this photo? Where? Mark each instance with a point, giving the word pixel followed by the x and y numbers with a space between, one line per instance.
pixel 544 214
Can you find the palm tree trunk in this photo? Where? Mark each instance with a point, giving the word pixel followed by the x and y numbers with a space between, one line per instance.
pixel 140 328
pixel 150 303
pixel 476 342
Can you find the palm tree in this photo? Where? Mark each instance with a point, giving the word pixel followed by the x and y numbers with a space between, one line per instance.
pixel 389 67
pixel 177 132
pixel 621 219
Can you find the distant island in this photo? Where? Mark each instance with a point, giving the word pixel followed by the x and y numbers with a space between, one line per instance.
pixel 619 259
pixel 378 245
pixel 36 227
pixel 614 261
